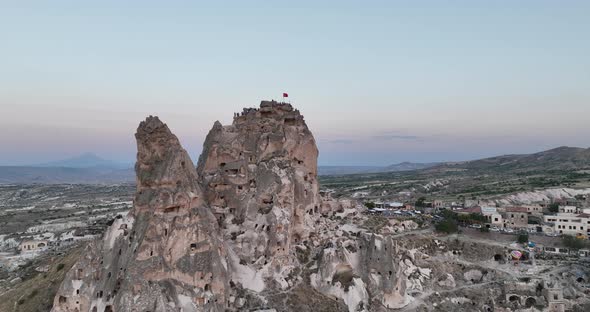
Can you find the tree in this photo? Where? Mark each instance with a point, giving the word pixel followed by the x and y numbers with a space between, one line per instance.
pixel 446 226
pixel 523 237
pixel 554 207
pixel 420 201
pixel 572 242
pixel 370 205
pixel 449 215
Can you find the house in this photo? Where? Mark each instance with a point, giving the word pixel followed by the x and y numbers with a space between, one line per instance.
pixel 438 204
pixel 516 217
pixel 496 219
pixel 467 211
pixel 568 209
pixel 570 223
pixel 395 205
pixel 535 210
pixel 32 245
pixel 409 207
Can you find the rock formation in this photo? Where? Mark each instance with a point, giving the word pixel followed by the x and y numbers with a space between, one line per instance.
pixel 165 254
pixel 192 240
pixel 355 263
pixel 259 175
pixel 247 229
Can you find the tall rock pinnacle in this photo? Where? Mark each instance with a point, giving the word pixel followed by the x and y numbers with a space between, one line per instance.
pixel 259 175
pixel 196 240
pixel 165 255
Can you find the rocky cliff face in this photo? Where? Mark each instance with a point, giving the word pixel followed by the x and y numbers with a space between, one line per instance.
pixel 357 263
pixel 259 175
pixel 246 229
pixel 165 254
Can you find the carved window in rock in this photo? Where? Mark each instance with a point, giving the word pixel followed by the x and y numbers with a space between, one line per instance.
pixel 164 199
pixel 193 247
pixel 181 200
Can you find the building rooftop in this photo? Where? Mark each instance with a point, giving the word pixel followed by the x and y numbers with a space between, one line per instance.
pixel 516 209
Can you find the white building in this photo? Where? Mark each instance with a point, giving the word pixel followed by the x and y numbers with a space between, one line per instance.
pixel 32 245
pixel 535 210
pixel 496 219
pixel 570 223
pixel 568 209
pixel 395 205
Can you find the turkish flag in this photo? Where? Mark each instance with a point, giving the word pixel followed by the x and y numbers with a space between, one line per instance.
pixel 285 95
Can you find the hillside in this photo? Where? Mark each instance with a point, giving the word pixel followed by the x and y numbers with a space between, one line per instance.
pixel 507 174
pixel 560 158
pixel 58 175
pixel 342 170
pixel 86 160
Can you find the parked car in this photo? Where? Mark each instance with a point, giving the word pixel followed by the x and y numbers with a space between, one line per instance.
pixel 495 229
pixel 475 226
pixel 508 230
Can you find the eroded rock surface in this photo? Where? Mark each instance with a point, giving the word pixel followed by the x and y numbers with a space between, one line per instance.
pixel 247 230
pixel 165 254
pixel 259 175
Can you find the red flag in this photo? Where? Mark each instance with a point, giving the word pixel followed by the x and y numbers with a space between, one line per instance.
pixel 285 95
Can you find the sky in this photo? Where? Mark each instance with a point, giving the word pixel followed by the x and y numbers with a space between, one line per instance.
pixel 379 82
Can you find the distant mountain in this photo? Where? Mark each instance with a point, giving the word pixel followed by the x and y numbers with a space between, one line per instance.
pixel 341 170
pixel 91 169
pixel 338 170
pixel 87 160
pixel 405 166
pixel 87 168
pixel 63 175
pixel 561 158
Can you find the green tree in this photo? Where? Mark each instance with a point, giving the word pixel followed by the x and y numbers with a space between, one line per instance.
pixel 572 242
pixel 420 201
pixel 449 215
pixel 446 226
pixel 370 205
pixel 523 237
pixel 553 207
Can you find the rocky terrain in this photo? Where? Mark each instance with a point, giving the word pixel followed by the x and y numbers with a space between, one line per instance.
pixel 248 229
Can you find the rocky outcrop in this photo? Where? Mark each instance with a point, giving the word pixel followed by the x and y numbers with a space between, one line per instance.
pixel 259 175
pixel 353 268
pixel 245 230
pixel 165 254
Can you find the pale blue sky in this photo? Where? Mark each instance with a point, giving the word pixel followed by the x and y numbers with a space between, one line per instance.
pixel 379 82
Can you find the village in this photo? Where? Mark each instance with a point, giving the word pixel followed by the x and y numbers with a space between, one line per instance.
pixel 561 226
